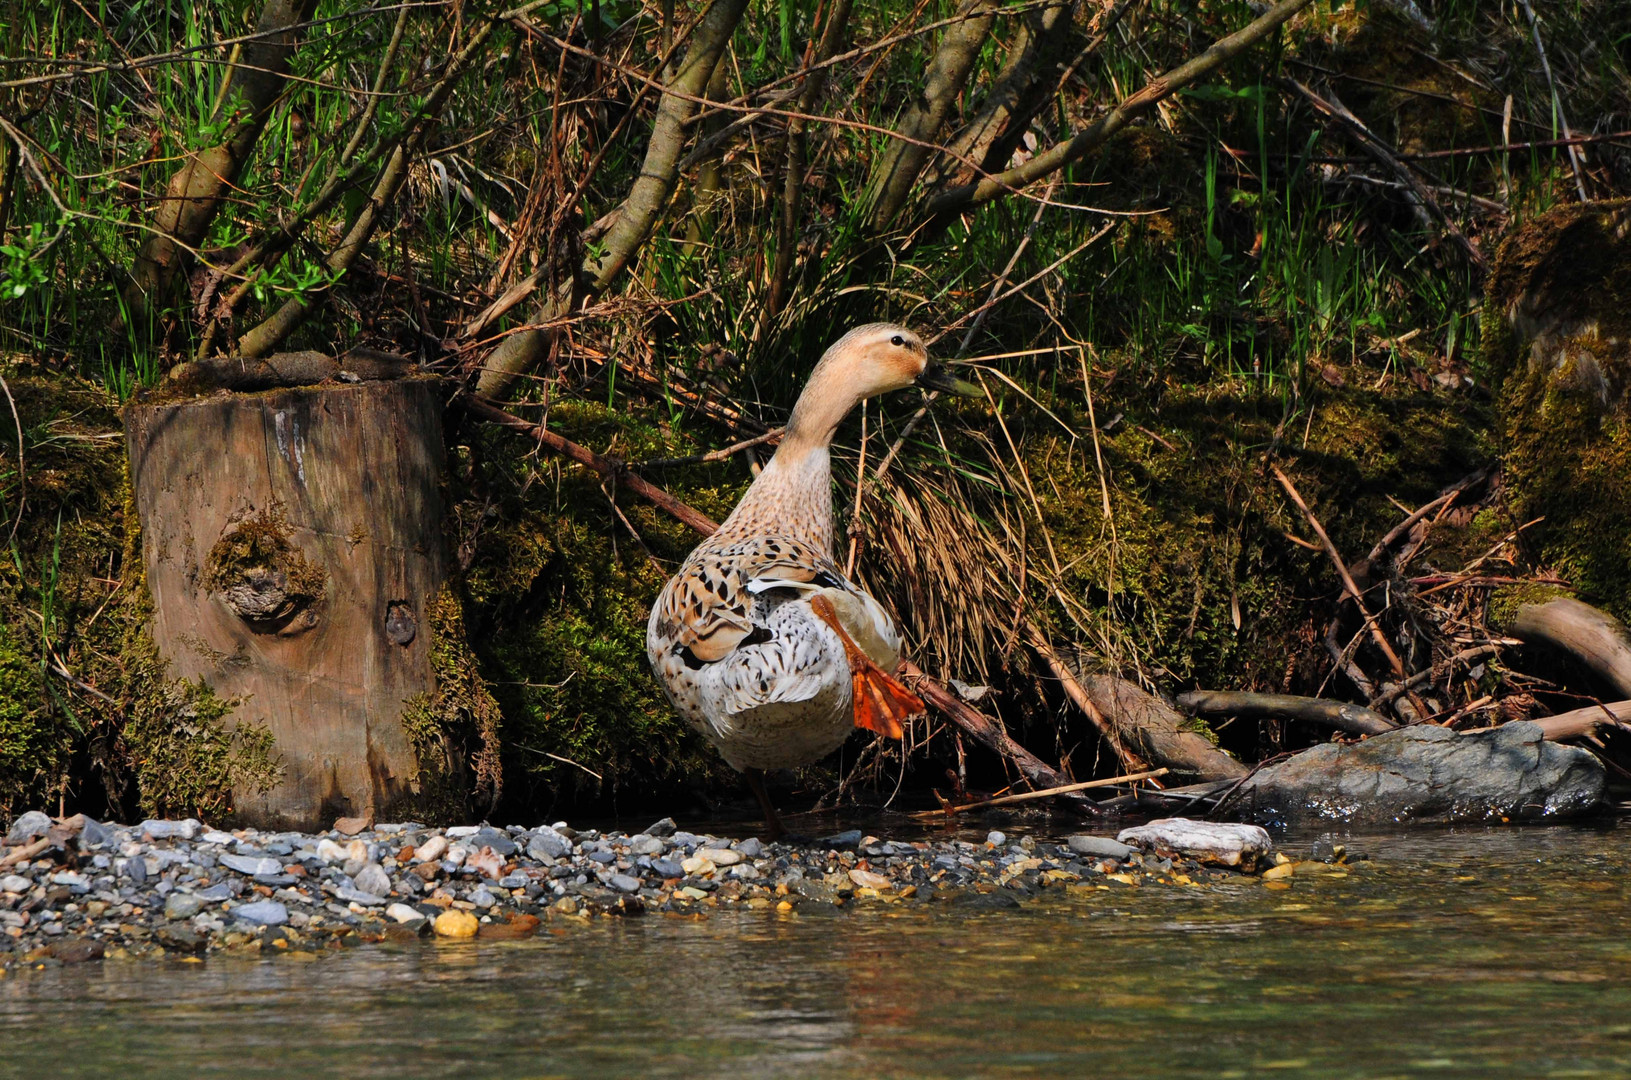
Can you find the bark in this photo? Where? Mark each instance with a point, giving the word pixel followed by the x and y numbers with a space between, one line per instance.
pixel 1355 719
pixel 1593 637
pixel 990 138
pixel 196 191
pixel 710 174
pixel 658 172
pixel 1579 723
pixel 1156 730
pixel 1095 134
pixel 523 351
pixel 248 375
pixel 281 323
pixel 948 73
pixel 291 566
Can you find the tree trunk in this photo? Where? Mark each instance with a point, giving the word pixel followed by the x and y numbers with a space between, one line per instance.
pixel 197 189
pixel 292 544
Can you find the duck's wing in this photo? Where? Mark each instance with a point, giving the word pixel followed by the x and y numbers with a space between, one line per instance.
pixel 706 611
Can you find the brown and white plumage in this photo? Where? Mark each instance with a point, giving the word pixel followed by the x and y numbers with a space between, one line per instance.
pixel 759 640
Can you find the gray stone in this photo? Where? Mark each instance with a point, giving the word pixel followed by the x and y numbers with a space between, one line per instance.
pixel 492 838
pixel 135 869
pixel 513 881
pixel 664 828
pixel 94 834
pixel 169 830
pixel 71 879
pixel 624 883
pixel 483 899
pixel 995 838
pixel 647 845
pixel 262 913
pixel 1206 841
pixel 246 864
pixel 350 895
pixel 216 836
pixel 216 893
pixel 546 843
pixel 29 826
pixel 180 905
pixel 15 883
pixel 667 868
pixel 373 879
pixel 847 839
pixel 402 913
pixel 1098 846
pixel 750 848
pixel 1428 774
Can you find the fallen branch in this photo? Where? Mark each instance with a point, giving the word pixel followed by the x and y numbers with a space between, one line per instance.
pixel 609 468
pixel 1032 796
pixel 984 730
pixel 1355 719
pixel 248 374
pixel 1593 637
pixel 26 852
pixel 1465 656
pixel 1579 723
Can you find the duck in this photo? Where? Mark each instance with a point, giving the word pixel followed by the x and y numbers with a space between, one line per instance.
pixel 760 641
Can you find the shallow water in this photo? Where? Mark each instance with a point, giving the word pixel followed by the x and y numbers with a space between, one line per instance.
pixel 1476 953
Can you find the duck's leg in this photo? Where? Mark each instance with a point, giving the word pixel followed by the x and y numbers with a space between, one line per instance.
pixel 773 822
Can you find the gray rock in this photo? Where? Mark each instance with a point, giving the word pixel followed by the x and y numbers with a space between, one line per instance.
pixel 94 834
pixel 513 881
pixel 351 895
pixel 373 879
pixel 1428 774
pixel 995 838
pixel 72 880
pixel 483 899
pixel 501 844
pixel 750 848
pixel 847 839
pixel 1206 841
pixel 647 845
pixel 624 883
pixel 546 843
pixel 216 893
pixel 135 869
pixel 667 868
pixel 180 905
pixel 262 913
pixel 216 836
pixel 169 830
pixel 246 864
pixel 29 826
pixel 1101 847
pixel 664 828
pixel 16 883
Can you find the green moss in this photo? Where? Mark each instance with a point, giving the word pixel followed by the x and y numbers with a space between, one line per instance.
pixel 73 599
pixel 1505 601
pixel 455 729
pixel 259 544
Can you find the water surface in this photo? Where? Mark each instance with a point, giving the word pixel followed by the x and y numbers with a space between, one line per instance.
pixel 1481 953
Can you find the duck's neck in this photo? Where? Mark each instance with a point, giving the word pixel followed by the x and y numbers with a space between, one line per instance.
pixel 793 495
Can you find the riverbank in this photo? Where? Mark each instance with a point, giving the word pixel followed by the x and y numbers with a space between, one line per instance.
pixel 79 890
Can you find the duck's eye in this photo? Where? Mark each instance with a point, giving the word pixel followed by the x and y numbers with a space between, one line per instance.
pixel 897 341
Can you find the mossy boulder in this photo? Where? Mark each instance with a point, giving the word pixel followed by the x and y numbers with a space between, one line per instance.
pixel 1557 343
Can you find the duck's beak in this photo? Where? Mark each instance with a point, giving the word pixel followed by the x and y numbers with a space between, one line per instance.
pixel 936 377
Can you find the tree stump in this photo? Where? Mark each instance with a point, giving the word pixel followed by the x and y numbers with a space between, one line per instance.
pixel 292 543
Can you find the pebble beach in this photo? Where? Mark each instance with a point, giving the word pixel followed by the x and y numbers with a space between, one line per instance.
pixel 76 890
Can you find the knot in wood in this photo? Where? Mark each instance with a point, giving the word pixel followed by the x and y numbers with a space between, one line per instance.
pixel 401 627
pixel 261 594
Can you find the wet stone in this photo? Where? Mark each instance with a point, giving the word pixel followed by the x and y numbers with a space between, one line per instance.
pixel 180 905
pixel 1101 847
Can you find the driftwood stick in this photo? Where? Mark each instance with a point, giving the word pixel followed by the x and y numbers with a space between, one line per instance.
pixel 1593 637
pixel 1445 497
pixel 26 852
pixel 1342 572
pixel 249 374
pixel 1356 719
pixel 1032 796
pixel 1578 723
pixel 984 730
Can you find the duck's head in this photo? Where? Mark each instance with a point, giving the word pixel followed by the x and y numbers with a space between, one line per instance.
pixel 880 357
